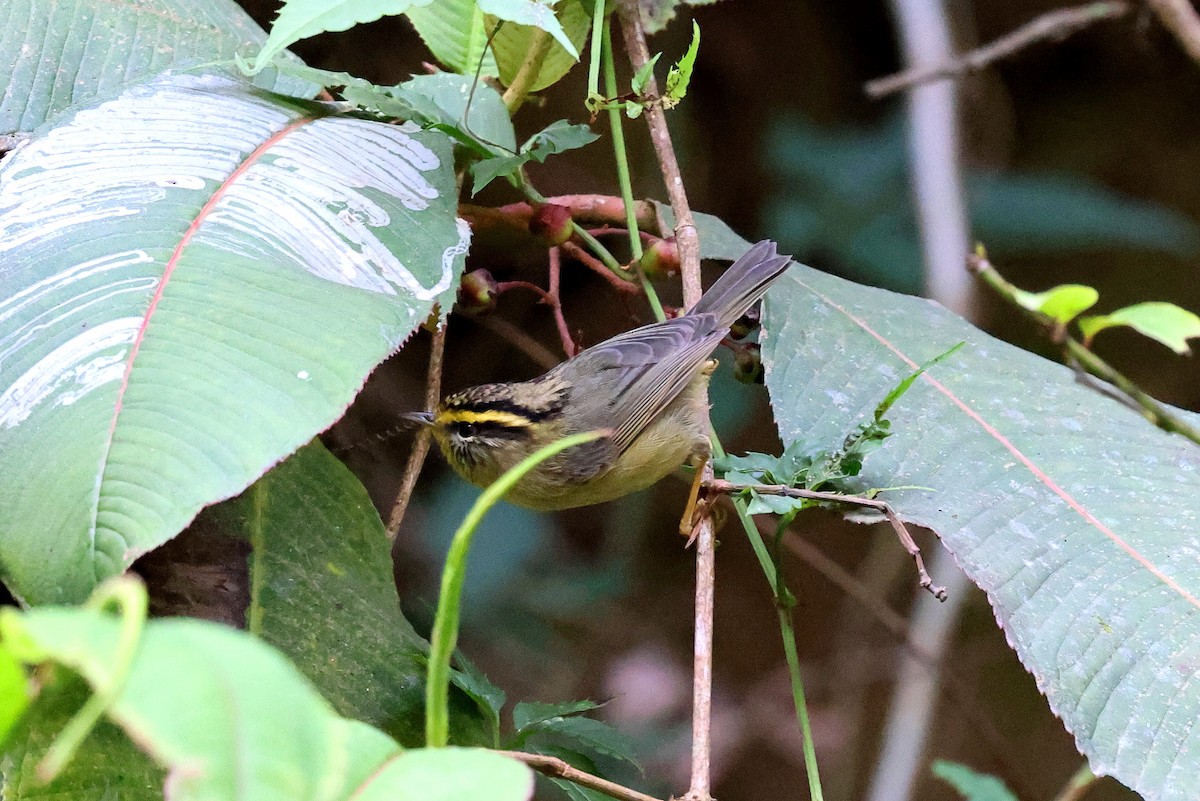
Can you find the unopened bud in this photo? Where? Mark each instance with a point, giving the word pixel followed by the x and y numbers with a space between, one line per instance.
pixel 477 293
pixel 747 364
pixel 551 224
pixel 661 258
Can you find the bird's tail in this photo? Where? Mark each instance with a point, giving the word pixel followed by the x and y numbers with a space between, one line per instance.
pixel 746 280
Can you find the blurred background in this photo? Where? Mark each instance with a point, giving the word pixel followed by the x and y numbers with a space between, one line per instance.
pixel 1080 160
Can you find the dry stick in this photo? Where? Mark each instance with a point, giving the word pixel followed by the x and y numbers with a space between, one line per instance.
pixel 729 488
pixel 555 767
pixel 959 690
pixel 688 241
pixel 416 457
pixel 595 265
pixel 564 333
pixel 1180 18
pixel 535 351
pixel 1057 25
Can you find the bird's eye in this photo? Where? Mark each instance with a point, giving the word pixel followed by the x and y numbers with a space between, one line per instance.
pixel 465 430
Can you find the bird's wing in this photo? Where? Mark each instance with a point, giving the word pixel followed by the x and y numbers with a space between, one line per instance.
pixel 641 371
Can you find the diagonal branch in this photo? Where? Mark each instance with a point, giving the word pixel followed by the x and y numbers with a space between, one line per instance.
pixel 1056 25
pixel 906 540
pixel 688 241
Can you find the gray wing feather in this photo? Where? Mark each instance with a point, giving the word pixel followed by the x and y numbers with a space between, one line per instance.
pixel 641 371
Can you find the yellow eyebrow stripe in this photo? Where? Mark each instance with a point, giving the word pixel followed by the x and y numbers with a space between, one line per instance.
pixel 486 416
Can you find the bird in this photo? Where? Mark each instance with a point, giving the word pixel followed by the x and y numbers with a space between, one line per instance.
pixel 644 388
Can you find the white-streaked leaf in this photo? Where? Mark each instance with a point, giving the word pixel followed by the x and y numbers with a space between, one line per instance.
pixel 194 280
pixel 60 53
pixel 300 19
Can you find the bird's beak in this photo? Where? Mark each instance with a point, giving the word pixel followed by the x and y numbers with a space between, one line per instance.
pixel 420 418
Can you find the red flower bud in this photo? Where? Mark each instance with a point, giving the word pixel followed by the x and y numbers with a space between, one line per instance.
pixel 477 293
pixel 551 224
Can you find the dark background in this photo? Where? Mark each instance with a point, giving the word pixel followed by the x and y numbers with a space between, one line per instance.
pixel 597 603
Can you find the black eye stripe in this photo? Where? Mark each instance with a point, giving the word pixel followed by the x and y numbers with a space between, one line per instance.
pixel 468 430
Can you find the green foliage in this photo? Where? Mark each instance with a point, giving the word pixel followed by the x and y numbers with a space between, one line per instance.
pixel 1162 322
pixel 1062 303
pixel 457 33
pixel 96 494
pixel 812 465
pixel 557 137
pixel 320 553
pixel 657 13
pixel 529 714
pixel 512 43
pixel 973 786
pixel 14 694
pixel 680 75
pixel 533 13
pixel 300 19
pixel 42 44
pixel 845 195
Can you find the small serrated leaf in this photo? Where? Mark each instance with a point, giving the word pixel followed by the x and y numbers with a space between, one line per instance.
pixel 681 74
pixel 589 734
pixel 300 19
pixel 531 713
pixel 558 137
pixel 642 76
pixel 1063 303
pixel 973 786
pixel 1162 322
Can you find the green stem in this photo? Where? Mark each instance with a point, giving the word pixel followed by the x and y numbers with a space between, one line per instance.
pixel 783 603
pixel 1077 785
pixel 594 64
pixel 1154 411
pixel 445 623
pixel 618 134
pixel 129 595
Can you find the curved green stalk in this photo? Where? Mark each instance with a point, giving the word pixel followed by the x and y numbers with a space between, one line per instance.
pixel 618 134
pixel 129 595
pixel 445 622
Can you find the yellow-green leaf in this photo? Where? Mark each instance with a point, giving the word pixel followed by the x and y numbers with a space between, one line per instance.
pixel 1162 322
pixel 1064 303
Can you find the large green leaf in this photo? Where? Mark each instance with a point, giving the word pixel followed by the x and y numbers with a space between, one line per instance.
pixel 457 34
pixel 107 765
pixel 228 716
pixel 512 43
pixel 196 279
pixel 55 53
pixel 322 592
pixel 1075 515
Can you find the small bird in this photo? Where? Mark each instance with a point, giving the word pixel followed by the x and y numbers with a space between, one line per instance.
pixel 645 386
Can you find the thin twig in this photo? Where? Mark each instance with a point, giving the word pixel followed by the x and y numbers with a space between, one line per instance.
pixel 1180 18
pixel 688 241
pixel 535 351
pixel 1154 411
pixel 595 265
pixel 906 540
pixel 560 321
pixel 1056 25
pixel 557 768
pixel 420 448
pixel 959 689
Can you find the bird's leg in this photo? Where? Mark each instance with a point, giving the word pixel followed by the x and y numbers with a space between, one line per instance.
pixel 695 504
